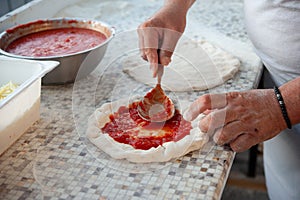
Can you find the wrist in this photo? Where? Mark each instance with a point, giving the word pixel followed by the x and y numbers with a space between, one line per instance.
pixel 274 111
pixel 290 92
pixel 179 5
pixel 282 106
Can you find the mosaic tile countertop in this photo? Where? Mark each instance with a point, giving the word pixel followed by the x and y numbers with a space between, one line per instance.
pixel 54 160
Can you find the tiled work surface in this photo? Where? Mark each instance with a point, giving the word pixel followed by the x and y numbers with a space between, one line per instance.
pixel 54 160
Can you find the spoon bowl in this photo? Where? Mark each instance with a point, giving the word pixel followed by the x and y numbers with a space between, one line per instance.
pixel 156 106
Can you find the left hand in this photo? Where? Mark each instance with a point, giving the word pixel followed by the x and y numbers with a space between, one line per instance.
pixel 240 119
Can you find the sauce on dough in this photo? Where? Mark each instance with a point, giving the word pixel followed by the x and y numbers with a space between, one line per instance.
pixel 126 126
pixel 56 42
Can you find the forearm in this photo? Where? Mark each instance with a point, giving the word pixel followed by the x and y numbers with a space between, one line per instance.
pixel 291 95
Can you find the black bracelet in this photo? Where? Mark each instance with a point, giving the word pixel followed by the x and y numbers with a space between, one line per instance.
pixel 282 107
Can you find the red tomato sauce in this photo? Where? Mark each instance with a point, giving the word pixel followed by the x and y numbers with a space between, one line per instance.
pixel 56 42
pixel 126 124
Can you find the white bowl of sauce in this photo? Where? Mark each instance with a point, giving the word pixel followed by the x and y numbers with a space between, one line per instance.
pixel 78 44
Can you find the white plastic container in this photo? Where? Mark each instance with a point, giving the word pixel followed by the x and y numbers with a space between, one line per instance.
pixel 20 109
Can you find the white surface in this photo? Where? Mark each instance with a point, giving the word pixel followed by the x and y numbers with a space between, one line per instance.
pixel 31 11
pixel 19 109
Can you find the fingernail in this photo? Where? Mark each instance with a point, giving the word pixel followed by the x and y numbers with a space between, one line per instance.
pixel 215 139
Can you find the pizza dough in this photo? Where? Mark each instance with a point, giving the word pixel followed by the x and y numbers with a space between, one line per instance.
pixel 169 150
pixel 194 66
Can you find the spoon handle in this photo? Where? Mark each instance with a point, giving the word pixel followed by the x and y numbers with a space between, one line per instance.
pixel 160 72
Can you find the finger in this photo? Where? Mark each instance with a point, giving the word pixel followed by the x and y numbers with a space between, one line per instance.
pixel 170 39
pixel 205 102
pixel 141 43
pixel 143 55
pixel 231 131
pixel 243 142
pixel 169 42
pixel 207 112
pixel 152 58
pixel 212 121
pixel 150 37
pixel 217 118
pixel 165 57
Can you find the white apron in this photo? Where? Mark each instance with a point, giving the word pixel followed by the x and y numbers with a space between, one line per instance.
pixel 274 29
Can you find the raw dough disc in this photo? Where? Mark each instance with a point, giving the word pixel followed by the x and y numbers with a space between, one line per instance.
pixel 169 150
pixel 195 66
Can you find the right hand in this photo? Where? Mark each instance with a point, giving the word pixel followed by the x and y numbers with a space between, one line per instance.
pixel 240 119
pixel 159 35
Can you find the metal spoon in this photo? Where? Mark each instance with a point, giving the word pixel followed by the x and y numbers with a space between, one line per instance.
pixel 156 106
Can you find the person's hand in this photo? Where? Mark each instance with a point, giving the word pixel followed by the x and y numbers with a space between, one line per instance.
pixel 159 35
pixel 240 119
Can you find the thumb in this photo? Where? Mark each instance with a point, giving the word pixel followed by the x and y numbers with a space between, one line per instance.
pixel 204 103
pixel 167 47
pixel 152 58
